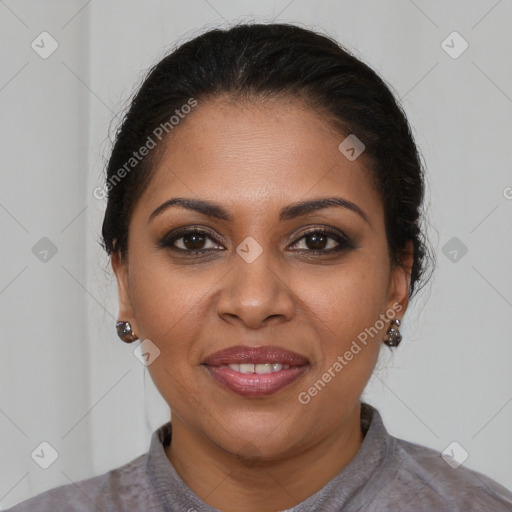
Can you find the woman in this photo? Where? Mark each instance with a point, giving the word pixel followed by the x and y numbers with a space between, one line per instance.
pixel 264 226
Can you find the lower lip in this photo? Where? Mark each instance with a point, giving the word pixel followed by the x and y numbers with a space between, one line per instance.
pixel 253 384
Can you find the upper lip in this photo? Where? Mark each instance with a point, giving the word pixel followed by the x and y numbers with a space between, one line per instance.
pixel 242 354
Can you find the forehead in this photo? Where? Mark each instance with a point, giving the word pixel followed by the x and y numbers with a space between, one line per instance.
pixel 257 156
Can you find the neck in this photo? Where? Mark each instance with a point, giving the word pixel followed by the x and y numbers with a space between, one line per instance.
pixel 226 482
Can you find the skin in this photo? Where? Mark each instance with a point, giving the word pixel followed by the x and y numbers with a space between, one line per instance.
pixel 267 453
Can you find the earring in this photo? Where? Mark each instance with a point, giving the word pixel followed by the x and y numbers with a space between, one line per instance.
pixel 394 334
pixel 124 331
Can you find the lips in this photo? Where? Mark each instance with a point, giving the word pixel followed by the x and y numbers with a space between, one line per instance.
pixel 255 371
pixel 255 355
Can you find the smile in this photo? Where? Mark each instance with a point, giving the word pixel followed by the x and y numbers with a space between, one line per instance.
pixel 256 380
pixel 260 368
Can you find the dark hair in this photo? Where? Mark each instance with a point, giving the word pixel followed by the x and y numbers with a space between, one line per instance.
pixel 258 61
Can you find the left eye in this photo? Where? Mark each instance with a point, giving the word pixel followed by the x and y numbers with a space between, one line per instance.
pixel 322 241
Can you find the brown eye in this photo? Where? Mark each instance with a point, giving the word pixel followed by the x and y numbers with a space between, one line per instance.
pixel 317 241
pixel 323 241
pixel 193 241
pixel 190 241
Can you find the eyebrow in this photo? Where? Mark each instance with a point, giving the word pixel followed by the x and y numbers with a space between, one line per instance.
pixel 211 209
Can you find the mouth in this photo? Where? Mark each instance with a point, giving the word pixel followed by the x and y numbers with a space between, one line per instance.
pixel 255 371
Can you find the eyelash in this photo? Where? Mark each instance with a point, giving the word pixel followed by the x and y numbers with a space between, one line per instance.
pixel 344 242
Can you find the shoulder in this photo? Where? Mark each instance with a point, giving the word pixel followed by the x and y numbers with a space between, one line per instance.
pixel 124 488
pixel 429 482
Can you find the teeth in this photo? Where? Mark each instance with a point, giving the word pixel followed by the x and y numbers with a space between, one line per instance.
pixel 259 368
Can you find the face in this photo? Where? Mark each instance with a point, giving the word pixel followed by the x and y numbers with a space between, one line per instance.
pixel 259 273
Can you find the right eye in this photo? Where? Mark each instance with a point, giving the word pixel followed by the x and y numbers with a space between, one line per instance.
pixel 192 241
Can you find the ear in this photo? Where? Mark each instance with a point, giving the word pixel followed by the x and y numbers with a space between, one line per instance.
pixel 120 268
pixel 399 281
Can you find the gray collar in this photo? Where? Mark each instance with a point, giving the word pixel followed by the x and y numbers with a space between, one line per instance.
pixel 351 489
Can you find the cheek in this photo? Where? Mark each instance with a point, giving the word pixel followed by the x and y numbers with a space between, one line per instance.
pixel 169 306
pixel 348 299
pixel 346 309
pixel 166 297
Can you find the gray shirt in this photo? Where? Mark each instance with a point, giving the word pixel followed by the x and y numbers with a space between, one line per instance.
pixel 387 474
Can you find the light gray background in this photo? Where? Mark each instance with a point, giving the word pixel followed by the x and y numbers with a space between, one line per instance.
pixel 68 380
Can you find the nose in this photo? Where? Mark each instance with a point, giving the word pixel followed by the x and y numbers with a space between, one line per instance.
pixel 255 294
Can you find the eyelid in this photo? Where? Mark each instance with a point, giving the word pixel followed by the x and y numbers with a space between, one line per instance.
pixel 325 228
pixel 180 232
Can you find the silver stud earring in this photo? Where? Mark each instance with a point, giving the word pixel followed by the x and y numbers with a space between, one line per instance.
pixel 124 331
pixel 394 334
